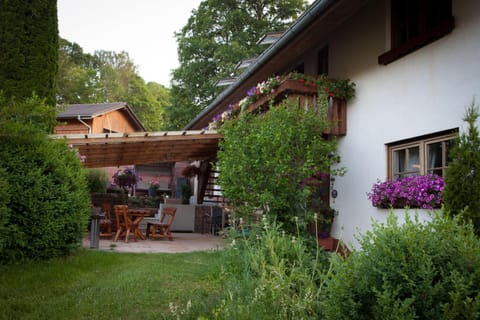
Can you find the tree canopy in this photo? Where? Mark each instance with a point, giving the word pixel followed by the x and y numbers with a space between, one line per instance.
pixel 217 36
pixel 107 76
pixel 28 48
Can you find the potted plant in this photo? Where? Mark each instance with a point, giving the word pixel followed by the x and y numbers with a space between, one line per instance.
pixel 191 171
pixel 126 179
pixel 153 186
pixel 186 193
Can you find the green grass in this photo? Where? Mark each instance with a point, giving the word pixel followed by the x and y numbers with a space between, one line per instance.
pixel 107 285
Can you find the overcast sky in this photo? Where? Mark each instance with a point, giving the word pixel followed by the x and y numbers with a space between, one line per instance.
pixel 143 28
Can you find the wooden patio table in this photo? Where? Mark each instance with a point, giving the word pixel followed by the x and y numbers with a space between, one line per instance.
pixel 137 215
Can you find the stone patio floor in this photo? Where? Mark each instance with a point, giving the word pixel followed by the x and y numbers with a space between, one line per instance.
pixel 182 242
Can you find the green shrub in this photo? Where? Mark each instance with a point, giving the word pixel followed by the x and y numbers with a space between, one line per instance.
pixel 97 180
pixel 462 179
pixel 28 49
pixel 47 194
pixel 412 271
pixel 263 159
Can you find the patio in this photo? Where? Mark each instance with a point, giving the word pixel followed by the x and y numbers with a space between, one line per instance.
pixel 182 242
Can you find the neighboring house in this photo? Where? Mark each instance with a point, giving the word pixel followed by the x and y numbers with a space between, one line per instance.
pixel 416 65
pixel 116 117
pixel 98 118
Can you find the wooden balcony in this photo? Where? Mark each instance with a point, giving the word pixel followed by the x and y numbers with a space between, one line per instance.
pixel 305 95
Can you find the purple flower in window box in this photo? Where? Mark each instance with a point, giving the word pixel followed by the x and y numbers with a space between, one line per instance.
pixel 423 192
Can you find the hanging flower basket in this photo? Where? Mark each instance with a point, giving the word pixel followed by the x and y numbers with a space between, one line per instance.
pixel 126 179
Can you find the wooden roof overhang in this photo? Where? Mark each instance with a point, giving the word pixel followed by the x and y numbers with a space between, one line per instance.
pixel 116 149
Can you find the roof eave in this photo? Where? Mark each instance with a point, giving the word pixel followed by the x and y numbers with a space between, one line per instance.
pixel 316 9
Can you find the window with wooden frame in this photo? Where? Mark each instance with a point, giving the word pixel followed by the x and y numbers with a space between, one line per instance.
pixel 420 156
pixel 416 23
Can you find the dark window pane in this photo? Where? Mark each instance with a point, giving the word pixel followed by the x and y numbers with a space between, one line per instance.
pixel 414 160
pixel 399 161
pixel 434 155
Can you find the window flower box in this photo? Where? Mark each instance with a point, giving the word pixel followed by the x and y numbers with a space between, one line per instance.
pixel 423 192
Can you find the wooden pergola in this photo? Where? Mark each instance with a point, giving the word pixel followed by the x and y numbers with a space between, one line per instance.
pixel 116 149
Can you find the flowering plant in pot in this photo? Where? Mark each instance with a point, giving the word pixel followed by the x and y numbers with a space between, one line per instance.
pixel 424 192
pixel 153 186
pixel 126 179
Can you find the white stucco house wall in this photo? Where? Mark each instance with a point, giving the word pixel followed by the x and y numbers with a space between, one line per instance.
pixel 422 93
pixel 413 99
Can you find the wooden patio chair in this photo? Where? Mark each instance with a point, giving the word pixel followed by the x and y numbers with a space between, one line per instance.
pixel 124 223
pixel 106 222
pixel 161 229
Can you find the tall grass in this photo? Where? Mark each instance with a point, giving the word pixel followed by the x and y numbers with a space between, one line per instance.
pixel 271 275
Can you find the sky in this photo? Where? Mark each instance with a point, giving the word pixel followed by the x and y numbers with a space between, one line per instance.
pixel 143 28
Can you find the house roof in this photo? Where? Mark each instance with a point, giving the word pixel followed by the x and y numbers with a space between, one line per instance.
pixel 89 111
pixel 116 149
pixel 305 34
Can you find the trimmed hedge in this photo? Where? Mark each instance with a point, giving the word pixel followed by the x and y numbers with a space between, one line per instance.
pixel 29 48
pixel 47 202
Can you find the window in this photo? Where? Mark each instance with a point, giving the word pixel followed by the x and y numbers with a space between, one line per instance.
pixel 416 23
pixel 323 61
pixel 420 156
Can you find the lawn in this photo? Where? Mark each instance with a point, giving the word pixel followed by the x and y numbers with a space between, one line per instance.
pixel 107 285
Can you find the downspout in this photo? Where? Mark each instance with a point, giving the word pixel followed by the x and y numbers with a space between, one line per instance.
pixel 316 9
pixel 85 124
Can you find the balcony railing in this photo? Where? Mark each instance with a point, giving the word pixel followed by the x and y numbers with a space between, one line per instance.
pixel 302 90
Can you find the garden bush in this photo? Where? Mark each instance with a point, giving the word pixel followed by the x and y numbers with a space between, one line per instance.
pixel 97 180
pixel 47 195
pixel 409 271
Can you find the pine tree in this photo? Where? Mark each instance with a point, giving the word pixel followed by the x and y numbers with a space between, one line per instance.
pixel 28 48
pixel 462 179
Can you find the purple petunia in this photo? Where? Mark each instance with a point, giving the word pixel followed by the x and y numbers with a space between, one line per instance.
pixel 412 191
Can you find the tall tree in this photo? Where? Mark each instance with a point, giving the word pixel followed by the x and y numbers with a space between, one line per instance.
pixel 217 36
pixel 107 76
pixel 28 48
pixel 77 76
pixel 462 180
